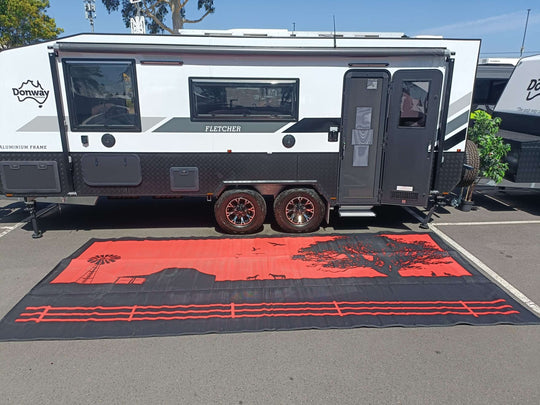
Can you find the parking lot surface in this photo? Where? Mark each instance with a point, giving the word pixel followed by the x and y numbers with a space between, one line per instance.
pixel 445 365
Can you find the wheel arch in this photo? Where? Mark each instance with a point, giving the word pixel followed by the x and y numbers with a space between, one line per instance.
pixel 272 188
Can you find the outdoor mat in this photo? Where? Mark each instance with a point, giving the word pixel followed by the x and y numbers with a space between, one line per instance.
pixel 158 287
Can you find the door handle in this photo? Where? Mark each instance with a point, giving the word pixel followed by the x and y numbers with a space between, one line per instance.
pixel 333 134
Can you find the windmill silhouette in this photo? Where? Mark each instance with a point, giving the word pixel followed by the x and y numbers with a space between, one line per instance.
pixel 97 261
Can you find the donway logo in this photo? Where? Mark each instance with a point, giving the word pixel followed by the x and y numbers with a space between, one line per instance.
pixel 29 90
pixel 534 89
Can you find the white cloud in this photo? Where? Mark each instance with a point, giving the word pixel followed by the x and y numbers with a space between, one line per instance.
pixel 481 27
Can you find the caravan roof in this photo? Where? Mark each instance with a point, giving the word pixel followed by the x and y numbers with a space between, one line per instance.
pixel 498 61
pixel 282 33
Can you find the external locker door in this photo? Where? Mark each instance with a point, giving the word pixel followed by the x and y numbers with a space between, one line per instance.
pixel 364 114
pixel 412 130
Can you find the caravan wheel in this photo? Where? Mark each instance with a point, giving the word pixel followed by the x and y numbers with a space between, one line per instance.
pixel 240 211
pixel 299 210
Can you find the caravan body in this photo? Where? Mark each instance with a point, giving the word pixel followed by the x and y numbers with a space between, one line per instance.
pixel 317 121
pixel 519 109
pixel 492 75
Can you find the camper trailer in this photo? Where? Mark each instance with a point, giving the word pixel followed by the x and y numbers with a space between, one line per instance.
pixel 309 122
pixel 519 109
pixel 492 75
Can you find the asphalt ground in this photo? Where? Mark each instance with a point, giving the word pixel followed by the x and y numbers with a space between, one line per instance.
pixel 442 365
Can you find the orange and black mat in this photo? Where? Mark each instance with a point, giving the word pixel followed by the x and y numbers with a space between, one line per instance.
pixel 159 287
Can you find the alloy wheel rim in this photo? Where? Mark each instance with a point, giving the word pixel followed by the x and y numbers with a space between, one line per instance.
pixel 240 211
pixel 300 210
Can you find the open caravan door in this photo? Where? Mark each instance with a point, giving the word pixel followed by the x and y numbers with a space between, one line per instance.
pixel 411 134
pixel 390 127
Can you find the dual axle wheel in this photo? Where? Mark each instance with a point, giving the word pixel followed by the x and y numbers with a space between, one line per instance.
pixel 244 211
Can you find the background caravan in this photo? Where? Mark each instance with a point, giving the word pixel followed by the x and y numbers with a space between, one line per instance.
pixel 312 122
pixel 519 109
pixel 492 74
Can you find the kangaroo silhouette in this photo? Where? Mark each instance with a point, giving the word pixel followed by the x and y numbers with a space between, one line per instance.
pixel 252 277
pixel 277 276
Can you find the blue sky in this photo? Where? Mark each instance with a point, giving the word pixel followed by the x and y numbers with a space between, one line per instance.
pixel 499 23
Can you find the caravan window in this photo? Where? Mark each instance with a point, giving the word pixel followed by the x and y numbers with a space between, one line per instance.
pixel 414 104
pixel 244 99
pixel 488 91
pixel 102 95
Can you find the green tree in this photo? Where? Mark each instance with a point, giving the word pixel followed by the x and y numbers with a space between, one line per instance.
pixel 157 10
pixel 491 147
pixel 24 22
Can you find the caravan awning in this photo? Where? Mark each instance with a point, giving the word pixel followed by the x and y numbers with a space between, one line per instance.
pixel 116 48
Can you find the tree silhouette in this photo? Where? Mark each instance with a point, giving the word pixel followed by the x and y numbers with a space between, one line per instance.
pixel 384 254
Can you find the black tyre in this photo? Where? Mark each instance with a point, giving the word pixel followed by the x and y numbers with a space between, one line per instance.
pixel 472 162
pixel 299 210
pixel 240 211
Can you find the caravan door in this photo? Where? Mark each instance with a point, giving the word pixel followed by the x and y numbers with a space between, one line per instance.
pixel 364 112
pixel 411 134
pixel 103 116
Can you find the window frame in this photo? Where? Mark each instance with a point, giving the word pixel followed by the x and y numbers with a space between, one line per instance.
pixel 77 127
pixel 242 81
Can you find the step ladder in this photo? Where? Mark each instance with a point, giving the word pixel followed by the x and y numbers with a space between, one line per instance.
pixel 356 211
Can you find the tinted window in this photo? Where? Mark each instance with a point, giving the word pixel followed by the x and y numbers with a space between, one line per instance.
pixel 481 91
pixel 414 108
pixel 488 91
pixel 102 95
pixel 497 87
pixel 244 99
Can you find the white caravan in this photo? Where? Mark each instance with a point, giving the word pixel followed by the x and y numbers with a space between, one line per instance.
pixel 310 121
pixel 492 75
pixel 519 109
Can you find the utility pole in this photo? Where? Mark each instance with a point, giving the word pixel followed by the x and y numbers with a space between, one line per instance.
pixel 90 11
pixel 524 33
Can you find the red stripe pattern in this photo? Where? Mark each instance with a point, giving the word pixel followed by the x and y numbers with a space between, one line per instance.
pixel 264 310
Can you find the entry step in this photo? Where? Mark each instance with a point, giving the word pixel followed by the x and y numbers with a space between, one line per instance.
pixel 356 211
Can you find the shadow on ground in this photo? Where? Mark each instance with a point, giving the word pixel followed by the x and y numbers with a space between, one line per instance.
pixel 12 212
pixel 496 199
pixel 187 212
